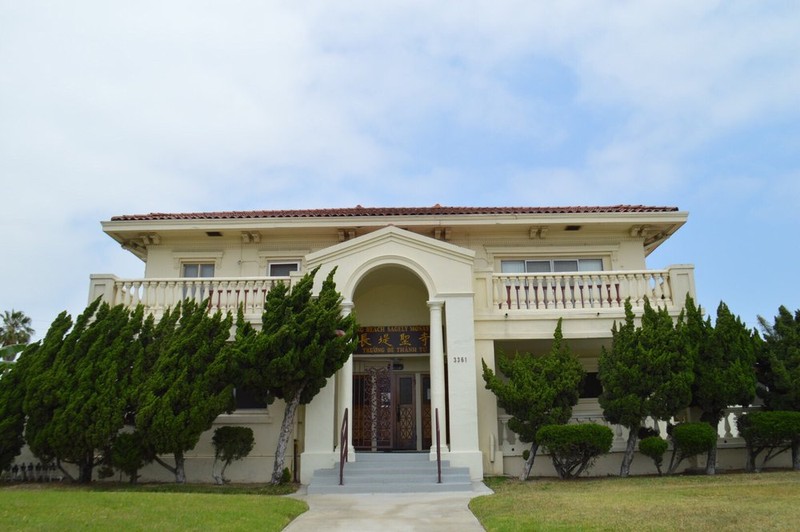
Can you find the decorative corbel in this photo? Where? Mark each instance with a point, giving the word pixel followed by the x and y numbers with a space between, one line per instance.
pixel 251 236
pixel 150 239
pixel 346 234
pixel 441 233
pixel 538 233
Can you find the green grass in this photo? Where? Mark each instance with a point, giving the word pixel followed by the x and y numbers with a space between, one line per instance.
pixel 768 501
pixel 147 507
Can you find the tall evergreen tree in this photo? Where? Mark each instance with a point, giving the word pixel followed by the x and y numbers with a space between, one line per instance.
pixel 779 361
pixel 188 382
pixel 724 360
pixel 537 391
pixel 80 408
pixel 647 372
pixel 302 342
pixel 12 416
pixel 779 367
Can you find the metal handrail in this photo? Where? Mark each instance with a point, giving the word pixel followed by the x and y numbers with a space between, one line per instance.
pixel 343 448
pixel 438 450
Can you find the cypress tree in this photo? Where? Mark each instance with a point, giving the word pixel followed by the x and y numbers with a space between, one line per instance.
pixel 647 372
pixel 724 360
pixel 779 367
pixel 76 393
pixel 537 391
pixel 12 416
pixel 302 342
pixel 188 383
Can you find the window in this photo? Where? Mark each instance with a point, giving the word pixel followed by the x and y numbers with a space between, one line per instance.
pixel 554 265
pixel 282 269
pixel 197 269
pixel 591 386
pixel 248 399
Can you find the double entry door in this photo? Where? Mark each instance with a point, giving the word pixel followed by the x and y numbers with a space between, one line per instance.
pixel 391 410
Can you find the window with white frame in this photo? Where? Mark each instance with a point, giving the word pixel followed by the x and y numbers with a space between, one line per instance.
pixel 197 269
pixel 283 268
pixel 550 265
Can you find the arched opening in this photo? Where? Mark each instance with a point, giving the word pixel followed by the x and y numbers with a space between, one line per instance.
pixel 391 368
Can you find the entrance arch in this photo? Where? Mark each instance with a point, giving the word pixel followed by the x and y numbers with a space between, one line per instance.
pixel 391 383
pixel 443 273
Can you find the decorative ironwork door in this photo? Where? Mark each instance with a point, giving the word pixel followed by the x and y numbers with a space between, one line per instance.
pixel 385 411
pixel 373 422
pixel 406 419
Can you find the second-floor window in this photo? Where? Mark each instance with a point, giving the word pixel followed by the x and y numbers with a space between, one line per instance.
pixel 197 269
pixel 282 269
pixel 551 265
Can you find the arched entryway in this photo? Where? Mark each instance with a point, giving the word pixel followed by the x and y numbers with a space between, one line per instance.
pixel 393 277
pixel 391 398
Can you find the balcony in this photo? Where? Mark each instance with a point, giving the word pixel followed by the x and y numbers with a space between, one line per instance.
pixel 157 294
pixel 592 290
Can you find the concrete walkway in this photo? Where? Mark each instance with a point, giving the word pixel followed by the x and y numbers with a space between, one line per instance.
pixel 389 512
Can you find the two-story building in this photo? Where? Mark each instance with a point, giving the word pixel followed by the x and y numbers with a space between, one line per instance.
pixel 435 290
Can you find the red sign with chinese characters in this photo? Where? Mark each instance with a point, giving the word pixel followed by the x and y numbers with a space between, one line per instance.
pixel 393 340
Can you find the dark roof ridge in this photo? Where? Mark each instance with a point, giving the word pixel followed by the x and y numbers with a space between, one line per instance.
pixel 344 212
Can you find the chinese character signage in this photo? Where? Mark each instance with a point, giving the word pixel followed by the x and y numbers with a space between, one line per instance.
pixel 393 340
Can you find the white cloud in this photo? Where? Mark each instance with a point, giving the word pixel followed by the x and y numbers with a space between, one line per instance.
pixel 109 108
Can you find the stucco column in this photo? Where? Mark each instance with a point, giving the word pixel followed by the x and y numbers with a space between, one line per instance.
pixel 462 369
pixel 319 429
pixel 437 375
pixel 345 393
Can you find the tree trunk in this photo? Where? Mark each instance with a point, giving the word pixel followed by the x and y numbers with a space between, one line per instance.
pixel 217 478
pixel 222 473
pixel 750 466
pixel 633 435
pixel 711 462
pixel 283 439
pixel 796 454
pixel 180 472
pixel 85 469
pixel 165 465
pixel 64 471
pixel 526 468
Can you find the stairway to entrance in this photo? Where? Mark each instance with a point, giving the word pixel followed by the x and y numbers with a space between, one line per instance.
pixel 390 473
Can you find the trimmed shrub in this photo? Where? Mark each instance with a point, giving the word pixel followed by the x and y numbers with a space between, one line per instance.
pixel 574 448
pixel 654 447
pixel 230 443
pixel 130 452
pixel 691 439
pixel 770 432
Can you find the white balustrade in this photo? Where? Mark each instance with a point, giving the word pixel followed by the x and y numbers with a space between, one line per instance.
pixel 580 290
pixel 224 294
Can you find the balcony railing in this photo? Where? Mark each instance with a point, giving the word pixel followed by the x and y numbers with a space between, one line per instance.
pixel 156 295
pixel 581 290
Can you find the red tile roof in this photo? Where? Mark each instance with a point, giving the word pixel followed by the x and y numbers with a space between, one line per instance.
pixel 358 211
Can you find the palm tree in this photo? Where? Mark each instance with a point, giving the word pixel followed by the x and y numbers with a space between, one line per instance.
pixel 16 328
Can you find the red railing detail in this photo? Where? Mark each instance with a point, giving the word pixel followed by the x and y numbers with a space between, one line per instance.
pixel 343 448
pixel 438 451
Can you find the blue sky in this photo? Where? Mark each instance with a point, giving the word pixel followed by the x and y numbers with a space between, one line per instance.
pixel 113 108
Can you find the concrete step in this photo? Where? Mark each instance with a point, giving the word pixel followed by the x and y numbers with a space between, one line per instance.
pixel 391 473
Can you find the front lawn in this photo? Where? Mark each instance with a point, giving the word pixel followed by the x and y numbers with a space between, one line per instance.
pixel 767 501
pixel 45 507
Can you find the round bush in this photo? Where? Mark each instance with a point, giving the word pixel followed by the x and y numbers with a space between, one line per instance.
pixel 573 448
pixel 769 428
pixel 691 439
pixel 654 447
